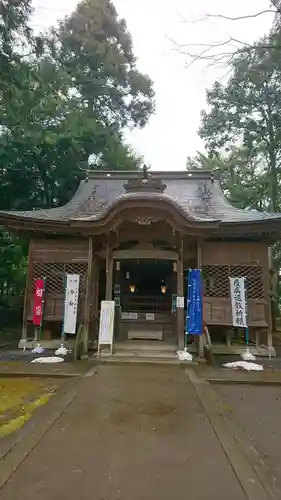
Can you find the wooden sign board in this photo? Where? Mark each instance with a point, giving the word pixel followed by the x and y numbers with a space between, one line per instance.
pixel 150 317
pixel 180 302
pixel 129 315
pixel 71 303
pixel 106 328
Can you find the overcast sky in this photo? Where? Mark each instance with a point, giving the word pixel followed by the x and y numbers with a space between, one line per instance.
pixel 156 27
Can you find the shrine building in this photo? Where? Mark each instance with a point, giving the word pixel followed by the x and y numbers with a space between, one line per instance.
pixel 132 237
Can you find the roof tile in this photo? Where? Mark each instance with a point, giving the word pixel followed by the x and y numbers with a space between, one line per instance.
pixel 197 196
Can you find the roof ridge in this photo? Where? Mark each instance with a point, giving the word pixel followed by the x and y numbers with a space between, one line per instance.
pixel 163 174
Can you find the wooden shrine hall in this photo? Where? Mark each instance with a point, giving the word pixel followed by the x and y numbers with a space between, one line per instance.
pixel 132 236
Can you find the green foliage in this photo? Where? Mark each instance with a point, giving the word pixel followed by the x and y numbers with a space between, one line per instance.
pixel 14 25
pixel 242 128
pixel 238 176
pixel 64 101
pixel 95 48
pixel 247 112
pixel 68 105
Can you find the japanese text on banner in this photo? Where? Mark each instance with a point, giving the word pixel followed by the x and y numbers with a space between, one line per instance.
pixel 38 302
pixel 238 302
pixel 194 303
pixel 71 303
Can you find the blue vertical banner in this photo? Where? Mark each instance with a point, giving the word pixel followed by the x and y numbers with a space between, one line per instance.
pixel 194 318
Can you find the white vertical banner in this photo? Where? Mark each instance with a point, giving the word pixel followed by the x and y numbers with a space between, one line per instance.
pixel 238 302
pixel 106 323
pixel 71 303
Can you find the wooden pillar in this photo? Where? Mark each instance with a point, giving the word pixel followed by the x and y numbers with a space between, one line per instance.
pixel 96 283
pixel 28 288
pixel 95 293
pixel 267 290
pixel 257 338
pixel 109 270
pixel 88 297
pixel 269 284
pixel 117 297
pixel 174 301
pixel 180 295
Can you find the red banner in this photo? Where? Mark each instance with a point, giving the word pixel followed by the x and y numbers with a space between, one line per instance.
pixel 38 302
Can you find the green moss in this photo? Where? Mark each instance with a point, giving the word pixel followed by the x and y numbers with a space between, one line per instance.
pixel 13 425
pixel 19 399
pixel 15 391
pixel 41 401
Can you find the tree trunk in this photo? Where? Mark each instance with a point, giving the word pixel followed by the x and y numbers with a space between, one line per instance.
pixel 273 183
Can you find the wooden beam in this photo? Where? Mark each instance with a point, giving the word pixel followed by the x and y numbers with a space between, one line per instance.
pixel 143 253
pixel 95 292
pixel 117 297
pixel 88 297
pixel 109 269
pixel 96 282
pixel 199 266
pixel 268 310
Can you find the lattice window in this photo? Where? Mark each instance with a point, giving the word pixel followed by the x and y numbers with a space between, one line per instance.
pixel 216 280
pixel 55 275
pixel 254 279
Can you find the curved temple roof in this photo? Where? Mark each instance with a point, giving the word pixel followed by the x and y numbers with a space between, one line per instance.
pixel 196 195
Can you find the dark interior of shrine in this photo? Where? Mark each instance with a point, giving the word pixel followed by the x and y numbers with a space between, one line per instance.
pixel 146 284
pixel 149 277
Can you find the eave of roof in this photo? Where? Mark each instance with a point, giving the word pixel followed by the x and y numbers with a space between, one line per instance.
pixel 194 198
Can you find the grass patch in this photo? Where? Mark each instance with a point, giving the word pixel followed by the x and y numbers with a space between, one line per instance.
pixel 19 399
pixel 9 336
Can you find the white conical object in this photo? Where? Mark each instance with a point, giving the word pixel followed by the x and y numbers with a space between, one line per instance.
pixel 244 365
pixel 61 351
pixel 50 359
pixel 184 355
pixel 38 349
pixel 24 345
pixel 248 356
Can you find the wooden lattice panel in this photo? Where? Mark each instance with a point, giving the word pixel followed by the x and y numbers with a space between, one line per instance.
pixel 55 274
pixel 254 279
pixel 216 280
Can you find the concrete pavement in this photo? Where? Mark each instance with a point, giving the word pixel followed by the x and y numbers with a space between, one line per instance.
pixel 133 432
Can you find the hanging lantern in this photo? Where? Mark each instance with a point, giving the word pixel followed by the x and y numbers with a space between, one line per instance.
pixel 163 289
pixel 132 288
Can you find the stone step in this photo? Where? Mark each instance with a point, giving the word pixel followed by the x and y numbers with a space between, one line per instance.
pixel 116 358
pixel 150 346
pixel 146 354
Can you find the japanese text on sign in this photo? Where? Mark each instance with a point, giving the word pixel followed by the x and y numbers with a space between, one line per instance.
pixel 238 302
pixel 71 303
pixel 38 302
pixel 194 317
pixel 38 310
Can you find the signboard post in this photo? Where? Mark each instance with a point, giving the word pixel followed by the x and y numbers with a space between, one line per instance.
pixel 71 304
pixel 239 304
pixel 106 324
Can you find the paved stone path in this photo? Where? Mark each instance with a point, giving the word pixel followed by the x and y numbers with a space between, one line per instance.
pixel 134 432
pixel 257 411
